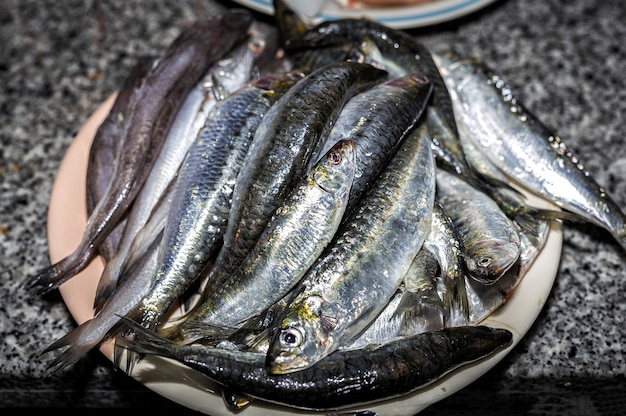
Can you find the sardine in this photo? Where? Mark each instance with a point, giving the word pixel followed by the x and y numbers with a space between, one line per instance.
pixel 524 148
pixel 490 238
pixel 342 379
pixel 290 135
pixel 164 91
pixel 364 265
pixel 378 120
pixel 203 191
pixel 403 54
pixel 296 235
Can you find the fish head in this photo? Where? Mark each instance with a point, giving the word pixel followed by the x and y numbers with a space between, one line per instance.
pixel 303 337
pixel 487 261
pixel 334 172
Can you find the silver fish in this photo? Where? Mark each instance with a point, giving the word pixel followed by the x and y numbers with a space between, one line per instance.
pixel 377 120
pixel 289 136
pixel 224 77
pixel 522 147
pixel 296 235
pixel 203 190
pixel 364 265
pixel 490 238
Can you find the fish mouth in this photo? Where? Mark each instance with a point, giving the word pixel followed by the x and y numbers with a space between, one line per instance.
pixel 285 362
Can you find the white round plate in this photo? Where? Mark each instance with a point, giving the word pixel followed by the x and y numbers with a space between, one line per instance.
pixel 67 217
pixel 399 17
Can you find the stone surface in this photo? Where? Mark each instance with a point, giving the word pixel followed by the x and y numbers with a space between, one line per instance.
pixel 565 60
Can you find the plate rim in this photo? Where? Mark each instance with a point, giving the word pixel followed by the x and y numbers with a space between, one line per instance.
pixel 400 17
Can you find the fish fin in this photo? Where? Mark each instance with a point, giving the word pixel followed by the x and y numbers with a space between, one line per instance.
pixel 106 287
pixel 54 275
pixel 328 322
pixel 80 341
pixel 532 217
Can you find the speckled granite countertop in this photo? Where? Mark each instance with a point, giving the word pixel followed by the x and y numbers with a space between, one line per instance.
pixel 565 59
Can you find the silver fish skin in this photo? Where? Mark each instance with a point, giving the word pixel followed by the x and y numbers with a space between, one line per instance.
pixel 166 86
pixel 224 77
pixel 445 245
pixel 490 239
pixel 295 237
pixel 289 136
pixel 105 148
pixel 203 191
pixel 432 295
pixel 345 378
pixel 362 268
pixel 524 148
pixel 377 120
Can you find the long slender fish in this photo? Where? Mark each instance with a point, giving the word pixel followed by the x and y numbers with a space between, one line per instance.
pixel 224 77
pixel 105 147
pixel 364 265
pixel 524 148
pixel 165 88
pixel 290 135
pixel 490 238
pixel 378 120
pixel 203 191
pixel 403 54
pixel 294 238
pixel 342 379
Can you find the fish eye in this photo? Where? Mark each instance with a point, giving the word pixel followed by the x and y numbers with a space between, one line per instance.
pixel 291 337
pixel 485 261
pixel 334 158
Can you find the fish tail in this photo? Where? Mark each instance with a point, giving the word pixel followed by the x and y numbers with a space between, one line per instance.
pixel 79 342
pixel 141 341
pixel 55 275
pixel 106 287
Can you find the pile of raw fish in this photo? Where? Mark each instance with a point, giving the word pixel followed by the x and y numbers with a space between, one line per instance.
pixel 335 208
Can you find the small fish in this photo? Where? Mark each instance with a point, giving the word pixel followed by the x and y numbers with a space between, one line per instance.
pixel 344 378
pixel 290 135
pixel 482 299
pixel 525 149
pixel 203 191
pixel 362 268
pixel 490 238
pixel 378 120
pixel 295 236
pixel 105 148
pixel 165 88
pixel 402 54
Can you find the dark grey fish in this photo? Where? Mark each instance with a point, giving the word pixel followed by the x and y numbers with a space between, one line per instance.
pixel 105 148
pixel 342 379
pixel 164 90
